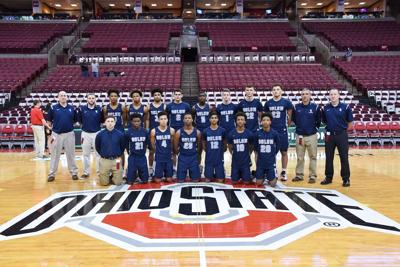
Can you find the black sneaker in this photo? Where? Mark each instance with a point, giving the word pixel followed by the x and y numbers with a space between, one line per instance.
pixel 51 178
pixel 326 181
pixel 346 183
pixel 75 177
pixel 297 179
pixel 283 176
pixel 84 176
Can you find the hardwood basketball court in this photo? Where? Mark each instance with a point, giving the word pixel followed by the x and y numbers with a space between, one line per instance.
pixel 374 184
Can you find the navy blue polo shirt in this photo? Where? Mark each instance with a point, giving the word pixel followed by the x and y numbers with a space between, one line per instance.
pixel 62 118
pixel 337 118
pixel 110 144
pixel 307 118
pixel 90 118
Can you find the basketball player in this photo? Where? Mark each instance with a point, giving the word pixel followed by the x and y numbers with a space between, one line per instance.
pixel 161 138
pixel 156 107
pixel 176 110
pixel 240 142
pixel 226 111
pixel 266 142
pixel 90 117
pixel 137 141
pixel 187 145
pixel 201 111
pixel 281 109
pixel 252 107
pixel 214 144
pixel 137 108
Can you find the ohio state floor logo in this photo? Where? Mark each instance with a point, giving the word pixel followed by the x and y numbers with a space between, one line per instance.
pixel 197 216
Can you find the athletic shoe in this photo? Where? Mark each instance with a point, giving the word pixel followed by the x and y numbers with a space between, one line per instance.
pixel 346 183
pixel 326 181
pixel 283 176
pixel 75 177
pixel 312 180
pixel 151 171
pixel 272 183
pixel 45 157
pixel 84 176
pixel 51 178
pixel 297 179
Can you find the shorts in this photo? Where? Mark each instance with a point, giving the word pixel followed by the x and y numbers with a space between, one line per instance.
pixel 240 171
pixel 283 140
pixel 188 163
pixel 163 169
pixel 214 171
pixel 266 171
pixel 137 166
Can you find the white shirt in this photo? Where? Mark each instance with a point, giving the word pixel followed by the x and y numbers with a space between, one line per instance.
pixel 95 67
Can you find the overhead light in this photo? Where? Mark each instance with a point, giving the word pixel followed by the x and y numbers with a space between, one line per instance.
pixel 362 3
pixel 207 4
pixel 223 4
pixel 319 4
pixel 169 4
pixel 57 5
pixel 303 4
pixel 153 4
pixel 346 3
pixel 189 11
pixel 127 5
pixel 74 5
pixel 111 4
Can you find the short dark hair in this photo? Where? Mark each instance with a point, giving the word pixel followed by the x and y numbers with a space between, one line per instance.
pixel 134 116
pixel 178 90
pixel 277 84
pixel 112 91
pixel 189 113
pixel 109 117
pixel 226 90
pixel 136 92
pixel 266 114
pixel 213 112
pixel 36 101
pixel 162 113
pixel 240 114
pixel 156 90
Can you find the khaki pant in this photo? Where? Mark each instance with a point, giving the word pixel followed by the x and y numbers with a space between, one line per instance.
pixel 310 143
pixel 108 167
pixel 58 142
pixel 39 139
pixel 88 144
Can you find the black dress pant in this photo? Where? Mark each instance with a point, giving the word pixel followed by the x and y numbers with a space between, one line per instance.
pixel 341 142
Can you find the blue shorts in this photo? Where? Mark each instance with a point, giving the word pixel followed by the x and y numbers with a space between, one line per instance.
pixel 283 140
pixel 214 171
pixel 188 163
pixel 163 169
pixel 137 166
pixel 240 171
pixel 266 171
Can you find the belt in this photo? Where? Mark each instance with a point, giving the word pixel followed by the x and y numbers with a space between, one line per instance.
pixel 307 135
pixel 37 124
pixel 336 132
pixel 110 158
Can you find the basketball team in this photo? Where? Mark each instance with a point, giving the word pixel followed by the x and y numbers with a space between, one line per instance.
pixel 175 136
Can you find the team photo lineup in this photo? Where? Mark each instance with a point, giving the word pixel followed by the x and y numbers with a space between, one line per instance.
pixel 176 134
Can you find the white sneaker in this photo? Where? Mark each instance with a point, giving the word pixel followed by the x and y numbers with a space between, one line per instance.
pixel 283 176
pixel 151 171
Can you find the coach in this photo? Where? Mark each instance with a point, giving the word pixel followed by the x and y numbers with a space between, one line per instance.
pixel 338 117
pixel 62 116
pixel 307 118
pixel 89 117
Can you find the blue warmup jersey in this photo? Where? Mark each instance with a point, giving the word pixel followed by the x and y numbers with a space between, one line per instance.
pixel 227 116
pixel 251 109
pixel 153 114
pixel 137 140
pixel 202 120
pixel 163 145
pixel 176 112
pixel 187 159
pixel 117 114
pixel 90 118
pixel 241 146
pixel 132 110
pixel 267 145
pixel 214 144
pixel 279 111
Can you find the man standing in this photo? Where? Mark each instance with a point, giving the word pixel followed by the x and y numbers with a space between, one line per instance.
pixel 176 110
pixel 187 145
pixel 37 122
pixel 281 109
pixel 201 111
pixel 226 111
pixel 307 118
pixel 62 116
pixel 137 108
pixel 137 141
pixel 95 68
pixel 90 117
pixel 110 144
pixel 252 107
pixel 116 110
pixel 338 117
